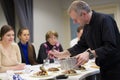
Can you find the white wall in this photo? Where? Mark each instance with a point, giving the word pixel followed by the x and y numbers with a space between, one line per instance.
pixel 48 15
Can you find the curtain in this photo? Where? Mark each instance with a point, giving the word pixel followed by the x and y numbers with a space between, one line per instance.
pixel 9 11
pixel 24 11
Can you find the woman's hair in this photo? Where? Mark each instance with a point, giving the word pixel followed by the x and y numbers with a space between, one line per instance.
pixel 21 30
pixel 78 6
pixel 4 30
pixel 49 33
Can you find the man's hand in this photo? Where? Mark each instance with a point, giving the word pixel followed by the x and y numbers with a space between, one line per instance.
pixel 82 58
pixel 54 53
pixel 59 55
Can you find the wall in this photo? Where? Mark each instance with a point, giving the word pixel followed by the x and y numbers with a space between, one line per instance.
pixel 48 15
pixel 108 7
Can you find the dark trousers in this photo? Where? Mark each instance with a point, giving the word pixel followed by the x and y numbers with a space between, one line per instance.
pixel 93 77
pixel 111 74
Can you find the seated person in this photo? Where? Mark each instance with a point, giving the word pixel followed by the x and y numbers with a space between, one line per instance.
pixel 51 42
pixel 75 40
pixel 26 48
pixel 10 58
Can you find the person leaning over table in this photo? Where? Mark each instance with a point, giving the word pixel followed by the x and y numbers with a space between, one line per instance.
pixel 101 35
pixel 51 43
pixel 10 58
pixel 26 48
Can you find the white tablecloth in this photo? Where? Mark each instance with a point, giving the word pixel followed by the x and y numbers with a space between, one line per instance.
pixel 27 76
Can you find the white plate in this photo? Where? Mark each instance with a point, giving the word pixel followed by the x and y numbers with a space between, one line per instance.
pixel 78 72
pixel 49 76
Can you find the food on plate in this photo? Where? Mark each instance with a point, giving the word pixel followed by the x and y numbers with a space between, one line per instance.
pixel 71 71
pixel 82 68
pixel 42 68
pixel 41 73
pixel 53 69
pixel 93 65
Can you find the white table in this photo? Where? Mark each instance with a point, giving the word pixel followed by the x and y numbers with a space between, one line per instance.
pixel 79 76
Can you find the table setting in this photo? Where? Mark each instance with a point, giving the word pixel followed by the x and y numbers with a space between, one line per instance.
pixel 63 69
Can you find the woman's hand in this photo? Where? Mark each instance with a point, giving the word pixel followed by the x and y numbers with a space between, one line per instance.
pixel 18 67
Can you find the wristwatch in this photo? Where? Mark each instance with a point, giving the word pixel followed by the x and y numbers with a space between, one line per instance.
pixel 91 56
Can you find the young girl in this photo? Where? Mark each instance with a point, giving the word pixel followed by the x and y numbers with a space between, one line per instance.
pixel 26 48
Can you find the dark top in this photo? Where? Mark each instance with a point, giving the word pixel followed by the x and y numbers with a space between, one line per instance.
pixel 101 35
pixel 25 52
pixel 45 48
pixel 31 55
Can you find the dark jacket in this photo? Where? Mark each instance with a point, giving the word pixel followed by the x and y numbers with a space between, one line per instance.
pixel 43 51
pixel 101 35
pixel 31 54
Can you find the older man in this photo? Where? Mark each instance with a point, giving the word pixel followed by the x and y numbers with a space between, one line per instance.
pixel 101 35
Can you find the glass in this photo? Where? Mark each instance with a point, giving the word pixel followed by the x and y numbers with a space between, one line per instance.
pixel 68 63
pixel 46 62
pixel 56 61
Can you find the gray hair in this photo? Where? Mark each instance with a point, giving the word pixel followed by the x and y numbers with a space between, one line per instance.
pixel 78 6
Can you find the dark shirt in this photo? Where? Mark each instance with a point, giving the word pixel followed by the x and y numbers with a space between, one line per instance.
pixel 45 48
pixel 101 35
pixel 25 52
pixel 28 54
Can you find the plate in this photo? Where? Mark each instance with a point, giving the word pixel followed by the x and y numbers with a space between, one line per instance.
pixel 33 77
pixel 50 75
pixel 53 69
pixel 19 72
pixel 42 76
pixel 73 74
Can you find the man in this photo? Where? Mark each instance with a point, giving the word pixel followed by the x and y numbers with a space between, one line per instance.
pixel 75 40
pixel 101 35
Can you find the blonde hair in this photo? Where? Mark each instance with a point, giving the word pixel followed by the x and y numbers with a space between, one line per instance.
pixel 49 33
